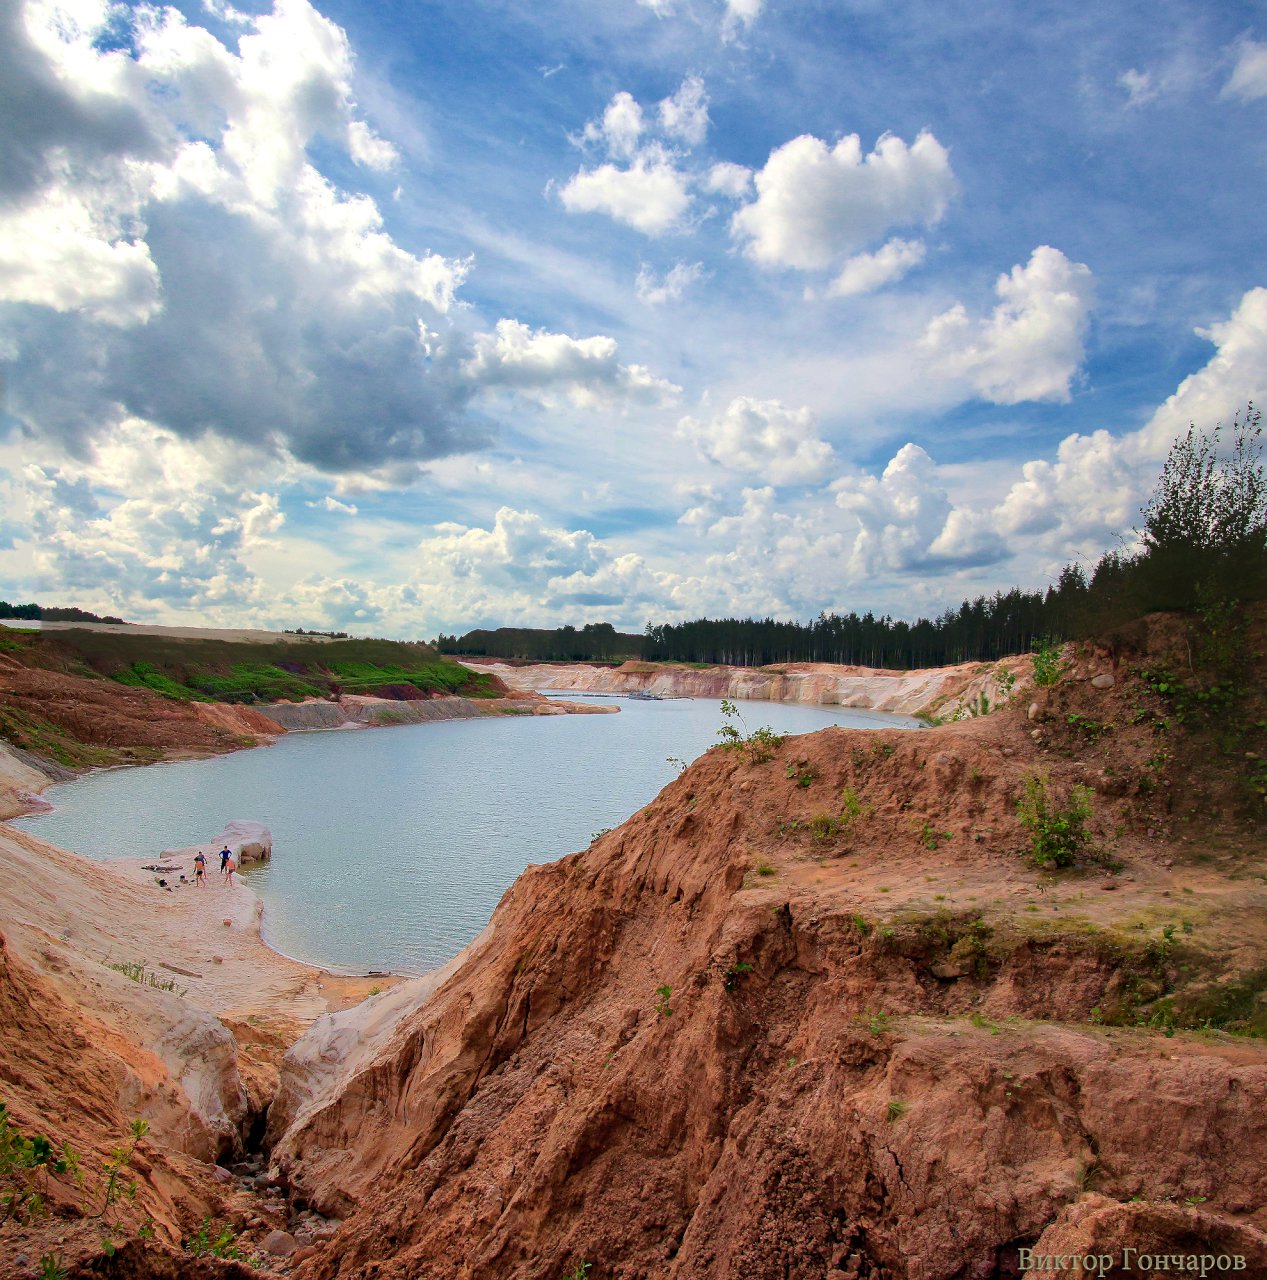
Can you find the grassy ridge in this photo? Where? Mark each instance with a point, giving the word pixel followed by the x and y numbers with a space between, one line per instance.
pixel 200 670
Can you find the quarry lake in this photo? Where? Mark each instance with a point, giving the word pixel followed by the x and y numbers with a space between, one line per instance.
pixel 391 847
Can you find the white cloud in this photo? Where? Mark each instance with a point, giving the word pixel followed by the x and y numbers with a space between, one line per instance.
pixel 685 114
pixel 197 236
pixel 1140 87
pixel 64 254
pixel 523 567
pixel 151 518
pixel 727 179
pixel 651 196
pixel 642 185
pixel 817 204
pixel 535 360
pixel 1248 80
pixel 740 15
pixel 331 503
pixel 367 148
pixel 661 8
pixel 907 523
pixel 1095 486
pixel 1234 375
pixel 762 438
pixel 675 282
pixel 866 272
pixel 193 232
pixel 1031 346
pixel 703 500
pixel 620 128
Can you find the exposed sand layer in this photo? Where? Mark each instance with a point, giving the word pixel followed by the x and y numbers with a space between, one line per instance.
pixel 243 635
pixel 357 711
pixel 206 939
pixel 938 690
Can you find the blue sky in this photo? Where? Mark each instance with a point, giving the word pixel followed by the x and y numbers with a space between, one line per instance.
pixel 413 317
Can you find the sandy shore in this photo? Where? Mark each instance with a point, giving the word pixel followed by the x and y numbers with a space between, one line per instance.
pixel 58 907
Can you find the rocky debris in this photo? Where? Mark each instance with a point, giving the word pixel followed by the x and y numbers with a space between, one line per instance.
pixel 281 1244
pixel 1103 681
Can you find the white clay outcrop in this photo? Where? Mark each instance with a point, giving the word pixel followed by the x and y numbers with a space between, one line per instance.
pixel 248 841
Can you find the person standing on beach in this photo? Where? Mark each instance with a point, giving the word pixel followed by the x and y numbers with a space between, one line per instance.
pixel 225 855
pixel 229 868
pixel 200 870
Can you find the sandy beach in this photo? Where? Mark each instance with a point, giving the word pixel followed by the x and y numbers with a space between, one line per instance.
pixel 207 940
pixel 171 970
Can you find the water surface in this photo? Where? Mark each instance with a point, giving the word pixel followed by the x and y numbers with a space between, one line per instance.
pixel 393 846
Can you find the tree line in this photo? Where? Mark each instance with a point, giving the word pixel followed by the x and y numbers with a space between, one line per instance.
pixel 52 613
pixel 1202 547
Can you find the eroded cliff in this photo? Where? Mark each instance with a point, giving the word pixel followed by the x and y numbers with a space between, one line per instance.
pixel 936 690
pixel 820 1015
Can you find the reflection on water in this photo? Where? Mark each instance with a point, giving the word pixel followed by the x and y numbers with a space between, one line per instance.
pixel 393 846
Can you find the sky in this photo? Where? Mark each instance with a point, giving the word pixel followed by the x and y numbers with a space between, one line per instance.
pixel 401 318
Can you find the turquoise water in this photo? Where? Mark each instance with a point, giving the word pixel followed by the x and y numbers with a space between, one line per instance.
pixel 391 847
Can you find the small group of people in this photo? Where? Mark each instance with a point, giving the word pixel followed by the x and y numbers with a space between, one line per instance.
pixel 228 865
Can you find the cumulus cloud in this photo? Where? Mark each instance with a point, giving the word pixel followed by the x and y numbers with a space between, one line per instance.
pixel 1234 375
pixel 160 209
pixel 1248 80
pixel 65 255
pixel 650 195
pixel 642 183
pixel 907 523
pixel 1094 487
pixel 524 566
pixel 866 272
pixel 151 518
pixel 762 438
pixel 655 291
pixel 685 114
pixel 63 101
pixel 1031 346
pixel 816 204
pixel 619 128
pixel 207 244
pixel 539 361
pixel 727 179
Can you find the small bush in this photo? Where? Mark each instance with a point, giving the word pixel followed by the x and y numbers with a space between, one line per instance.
pixel 1047 663
pixel 802 773
pixel 208 1242
pixel 822 826
pixel 930 837
pixel 1057 834
pixel 138 971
